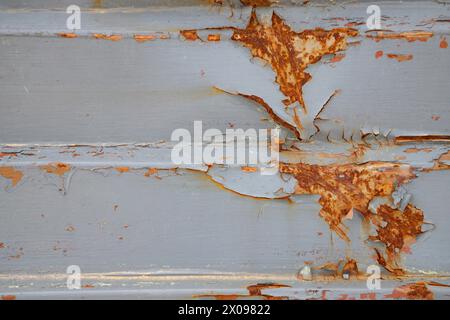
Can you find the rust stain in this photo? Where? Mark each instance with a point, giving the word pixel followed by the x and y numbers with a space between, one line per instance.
pixel 348 187
pixel 289 52
pixel 411 291
pixel 87 286
pixel 253 291
pixel 443 43
pixel 67 35
pixel 150 172
pixel 213 37
pixel 249 169
pixel 97 4
pixel 57 168
pixel 397 230
pixel 415 150
pixel 112 37
pixel 368 296
pixel 378 54
pixel 400 57
pixel 9 297
pixel 8 154
pixel 425 138
pixel 410 36
pixel 143 37
pixel 2 245
pixel 350 268
pixel 437 284
pixel 190 35
pixel 258 3
pixel 337 58
pixel 11 174
pixel 122 169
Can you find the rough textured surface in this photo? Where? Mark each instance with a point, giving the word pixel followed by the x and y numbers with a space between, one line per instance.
pixel 85 170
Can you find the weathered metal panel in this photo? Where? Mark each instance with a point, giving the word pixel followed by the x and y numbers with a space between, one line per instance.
pixel 87 178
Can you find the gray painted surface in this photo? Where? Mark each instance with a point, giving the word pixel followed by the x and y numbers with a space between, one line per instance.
pixel 63 96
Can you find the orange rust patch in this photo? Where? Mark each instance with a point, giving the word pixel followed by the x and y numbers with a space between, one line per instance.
pixel 443 43
pixel 122 169
pixel 427 138
pixel 57 168
pixel 112 37
pixel 2 245
pixel 213 37
pixel 400 57
pixel 257 3
pixel 12 154
pixel 350 268
pixel 12 174
pixel 143 37
pixel 378 54
pixel 337 58
pixel 415 150
pixel 346 187
pixel 412 291
pixel 88 286
pixel 253 291
pixel 289 52
pixel 67 35
pixel 150 172
pixel 190 35
pixel 8 297
pixel 249 169
pixel 437 284
pixel 438 164
pixel 368 296
pixel 410 36
pixel 397 230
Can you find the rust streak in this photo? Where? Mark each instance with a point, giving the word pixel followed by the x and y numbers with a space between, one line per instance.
pixel 143 37
pixel 253 291
pixel 412 291
pixel 67 35
pixel 419 139
pixel 112 37
pixel 410 36
pixel 400 57
pixel 213 37
pixel 347 187
pixel 190 35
